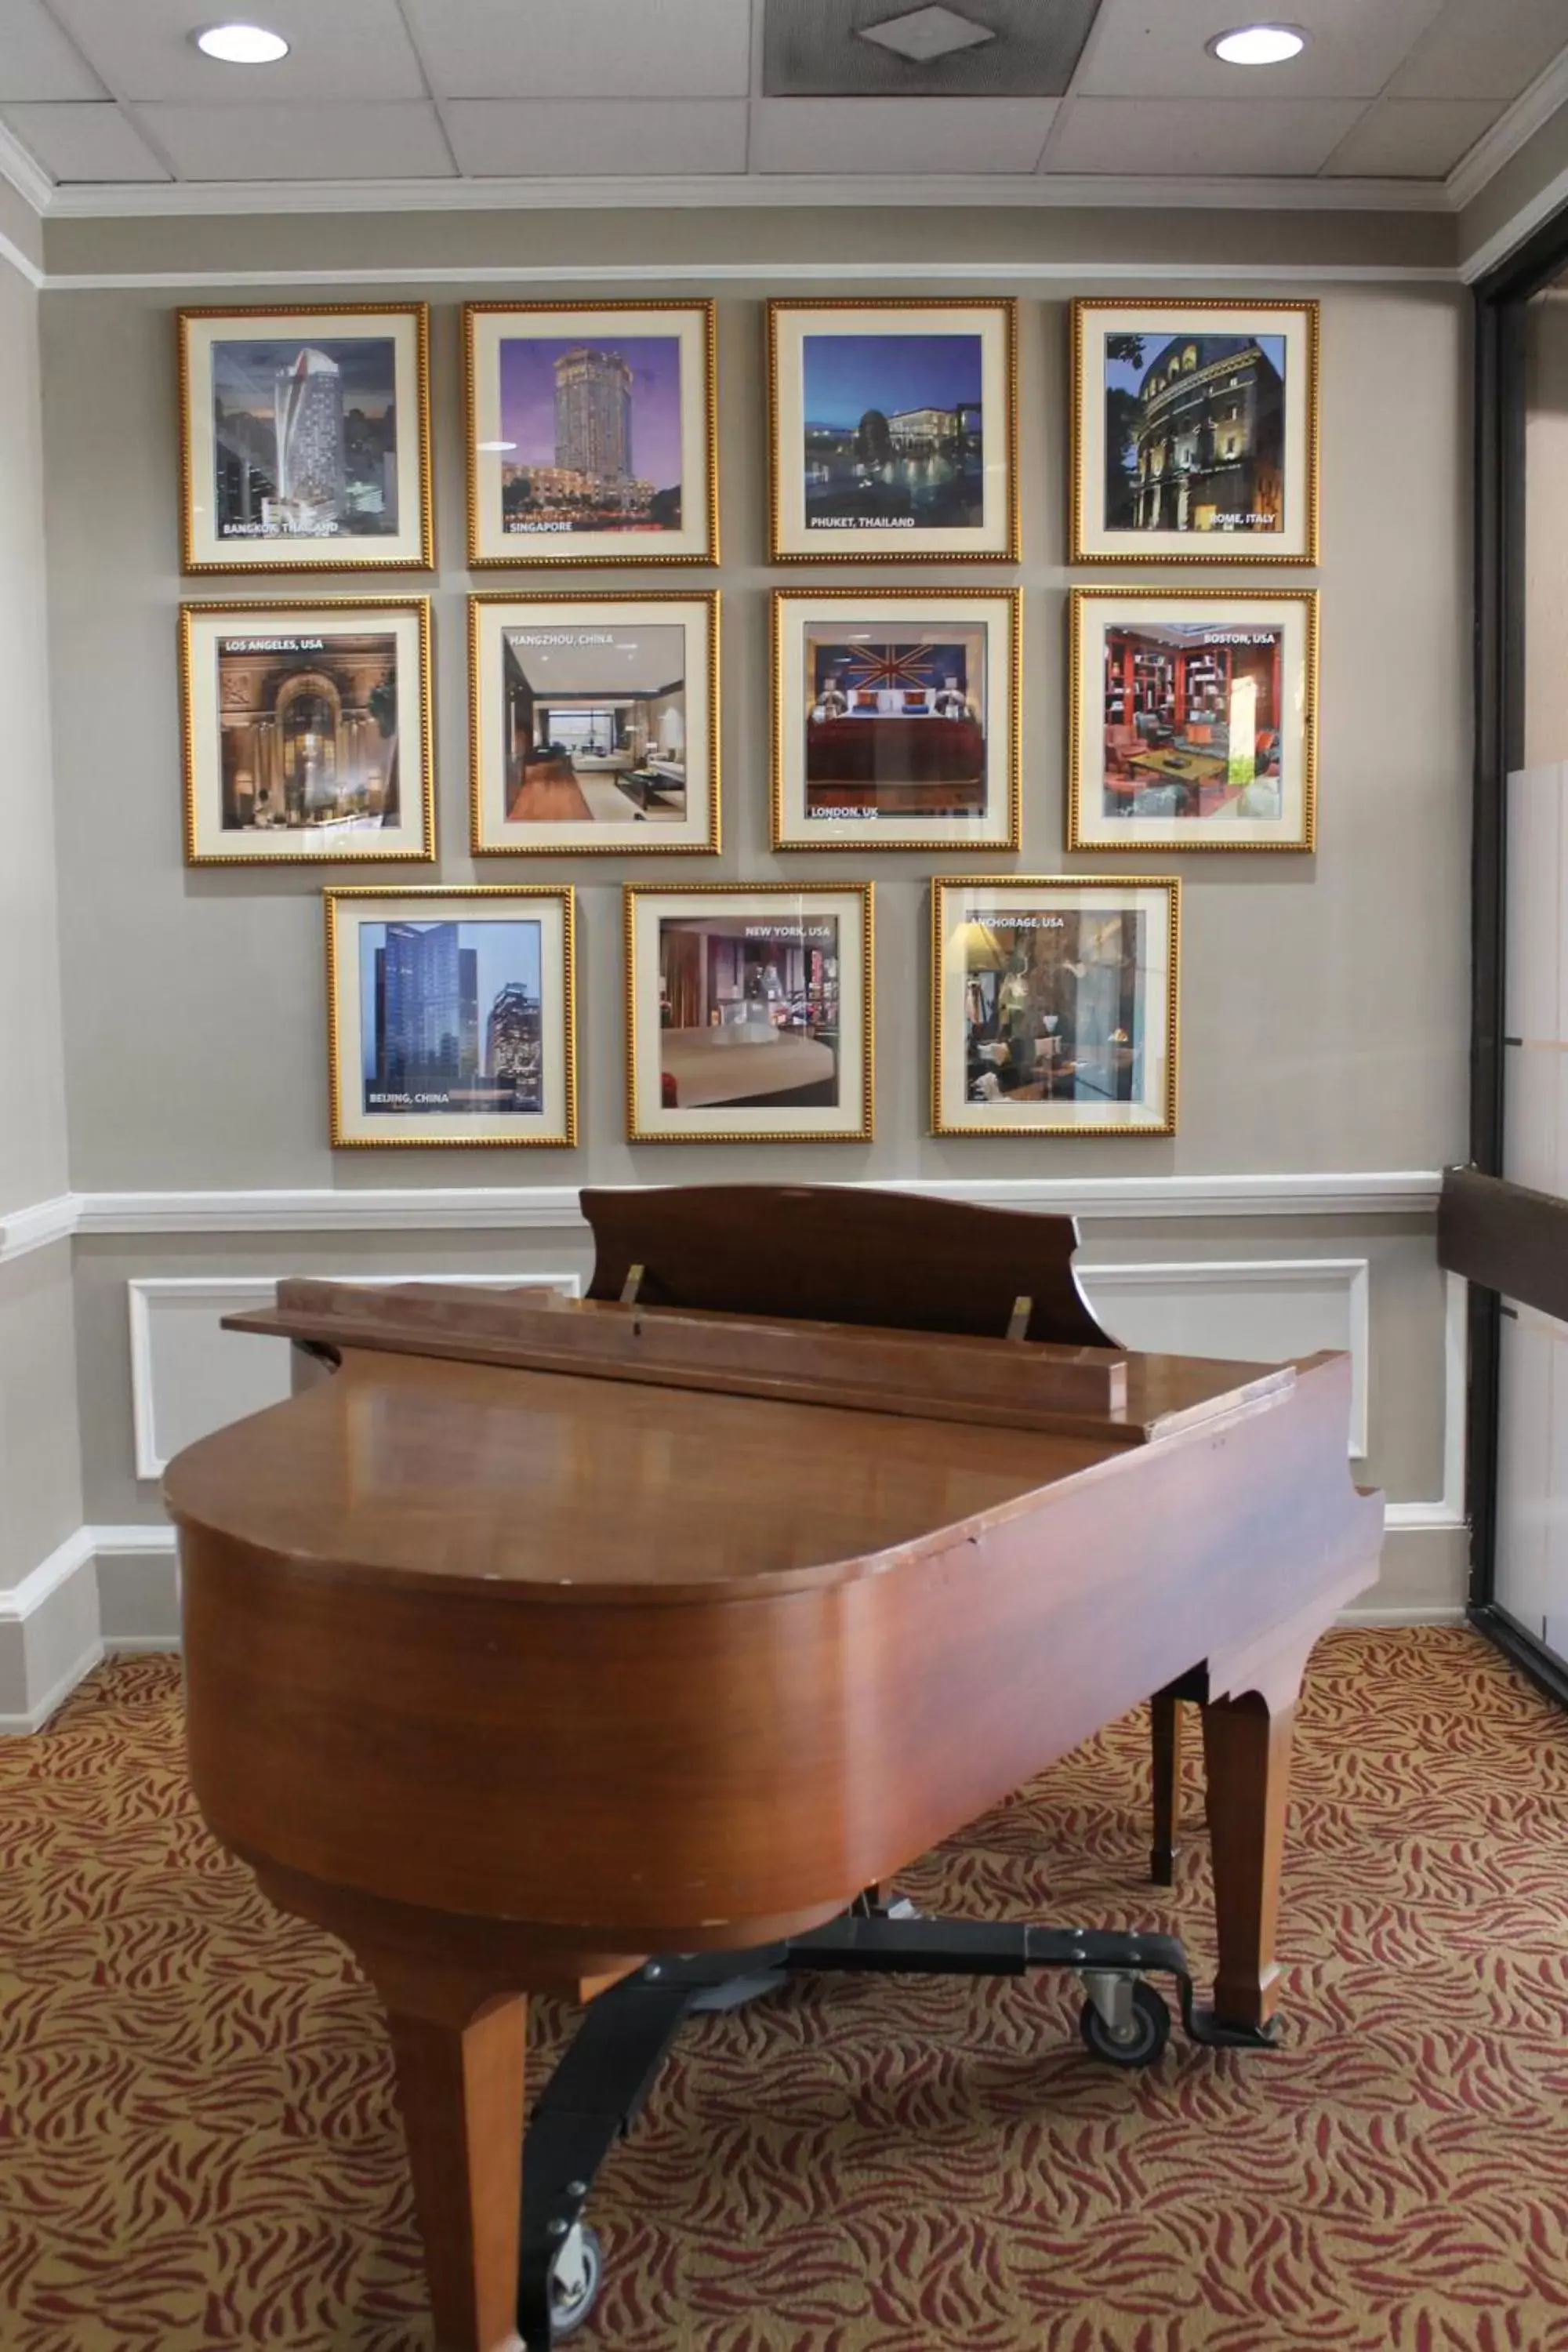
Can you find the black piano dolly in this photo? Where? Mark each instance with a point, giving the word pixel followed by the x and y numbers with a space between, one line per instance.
pixel 607 2070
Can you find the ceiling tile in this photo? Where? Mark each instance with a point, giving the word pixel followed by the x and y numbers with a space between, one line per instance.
pixel 338 48
pixel 1155 48
pixel 584 48
pixel 1200 138
pixel 520 138
pixel 302 143
pixel 1484 48
pixel 35 58
pixel 84 139
pixel 1412 137
pixel 906 137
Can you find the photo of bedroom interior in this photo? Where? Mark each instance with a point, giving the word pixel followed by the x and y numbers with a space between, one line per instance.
pixel 595 725
pixel 747 1011
pixel 895 724
pixel 1192 720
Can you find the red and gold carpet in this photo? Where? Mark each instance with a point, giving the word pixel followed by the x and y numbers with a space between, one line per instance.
pixel 199 2151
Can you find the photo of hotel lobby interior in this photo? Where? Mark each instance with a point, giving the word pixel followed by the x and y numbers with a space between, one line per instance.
pixel 784 1200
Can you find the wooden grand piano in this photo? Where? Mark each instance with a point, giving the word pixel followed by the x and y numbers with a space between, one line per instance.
pixel 627 1647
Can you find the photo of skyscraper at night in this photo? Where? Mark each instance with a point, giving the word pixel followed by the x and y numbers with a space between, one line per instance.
pixel 450 1018
pixel 894 432
pixel 305 439
pixel 590 434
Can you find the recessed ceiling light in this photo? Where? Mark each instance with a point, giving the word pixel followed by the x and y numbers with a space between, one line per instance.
pixel 1258 45
pixel 491 446
pixel 241 45
pixel 926 33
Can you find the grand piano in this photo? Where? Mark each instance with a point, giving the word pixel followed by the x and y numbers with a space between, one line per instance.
pixel 626 1647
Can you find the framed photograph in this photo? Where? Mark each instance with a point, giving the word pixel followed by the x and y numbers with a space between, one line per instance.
pixel 307 731
pixel 896 718
pixel 1194 719
pixel 305 439
pixel 596 722
pixel 593 433
pixel 893 430
pixel 1194 432
pixel 451 1015
pixel 749 1013
pixel 1054 1006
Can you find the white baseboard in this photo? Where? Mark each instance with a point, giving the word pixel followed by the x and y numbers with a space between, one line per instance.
pixel 114 1591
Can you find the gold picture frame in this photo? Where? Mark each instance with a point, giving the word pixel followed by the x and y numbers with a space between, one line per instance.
pixel 671 791
pixel 498 414
pixel 892 711
pixel 842 531
pixel 734 1001
pixel 245 507
pixel 1252 411
pixel 400 1106
pixel 261 816
pixel 1196 665
pixel 1001 1012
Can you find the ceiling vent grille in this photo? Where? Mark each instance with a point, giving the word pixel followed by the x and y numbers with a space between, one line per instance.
pixel 849 49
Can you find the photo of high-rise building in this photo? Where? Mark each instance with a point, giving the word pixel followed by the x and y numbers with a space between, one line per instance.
pixel 450 1017
pixel 590 434
pixel 305 439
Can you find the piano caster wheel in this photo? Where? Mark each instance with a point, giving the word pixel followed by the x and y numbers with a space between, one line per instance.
pixel 1138 2040
pixel 575 2280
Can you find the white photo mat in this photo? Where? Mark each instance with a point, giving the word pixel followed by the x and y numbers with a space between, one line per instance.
pixel 802 615
pixel 1296 325
pixel 1095 612
pixel 793 539
pixel 347 911
pixel 849 1119
pixel 689 326
pixel 406 549
pixel 1001 904
pixel 205 630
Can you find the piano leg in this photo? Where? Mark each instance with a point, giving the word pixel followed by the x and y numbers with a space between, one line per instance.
pixel 460 2087
pixel 1246 1747
pixel 1165 1729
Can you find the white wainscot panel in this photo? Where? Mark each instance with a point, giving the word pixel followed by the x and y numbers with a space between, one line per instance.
pixel 1252 1310
pixel 189 1375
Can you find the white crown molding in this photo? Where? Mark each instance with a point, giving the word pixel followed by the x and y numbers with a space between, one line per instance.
pixel 1515 229
pixel 1531 111
pixel 1160 273
pixel 31 182
pixel 731 192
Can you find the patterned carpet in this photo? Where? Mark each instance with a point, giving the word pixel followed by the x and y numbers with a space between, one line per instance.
pixel 198 2148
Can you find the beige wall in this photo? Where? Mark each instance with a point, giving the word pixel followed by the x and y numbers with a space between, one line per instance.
pixel 40 1482
pixel 1325 999
pixel 1324 1003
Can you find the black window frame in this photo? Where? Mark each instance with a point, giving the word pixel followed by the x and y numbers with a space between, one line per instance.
pixel 1501 301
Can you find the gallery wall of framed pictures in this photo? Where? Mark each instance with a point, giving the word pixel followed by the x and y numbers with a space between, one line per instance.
pixel 590 446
